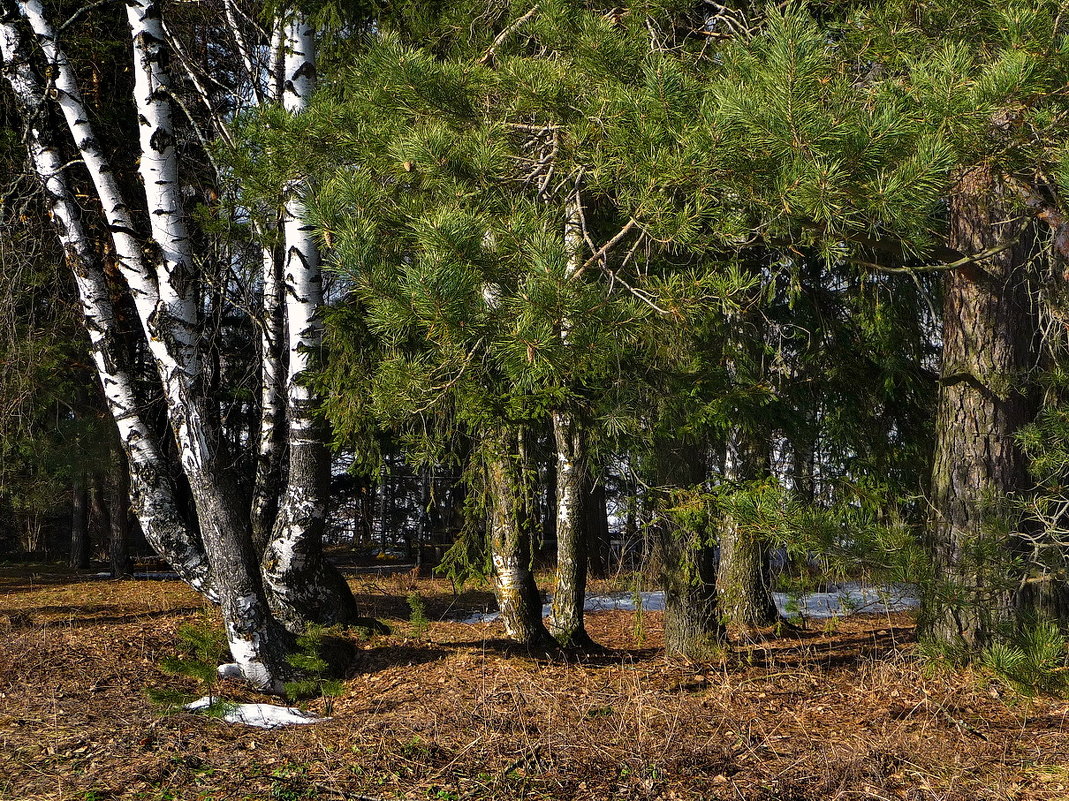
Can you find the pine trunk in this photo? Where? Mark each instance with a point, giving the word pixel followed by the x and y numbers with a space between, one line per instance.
pixel 79 556
pixel 686 562
pixel 510 544
pixel 743 579
pixel 119 521
pixel 989 335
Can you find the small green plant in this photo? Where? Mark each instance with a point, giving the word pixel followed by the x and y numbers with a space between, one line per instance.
pixel 417 617
pixel 638 624
pixel 312 669
pixel 202 647
pixel 1034 663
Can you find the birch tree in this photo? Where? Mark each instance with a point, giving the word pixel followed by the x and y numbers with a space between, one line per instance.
pixel 163 282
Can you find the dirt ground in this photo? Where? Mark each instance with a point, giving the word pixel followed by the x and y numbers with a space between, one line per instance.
pixel 842 711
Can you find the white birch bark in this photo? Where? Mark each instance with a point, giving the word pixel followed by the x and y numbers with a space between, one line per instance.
pixel 170 338
pixel 154 495
pixel 271 438
pixel 301 586
pixel 566 615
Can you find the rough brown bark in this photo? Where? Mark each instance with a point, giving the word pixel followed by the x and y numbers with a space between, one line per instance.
pixel 743 580
pixel 686 560
pixel 79 556
pixel 986 395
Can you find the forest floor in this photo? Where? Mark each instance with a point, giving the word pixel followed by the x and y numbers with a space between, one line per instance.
pixel 843 710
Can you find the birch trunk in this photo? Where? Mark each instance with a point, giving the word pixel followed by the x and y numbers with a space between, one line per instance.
pixel 510 544
pixel 267 486
pixel 569 594
pixel 302 586
pixel 153 490
pixel 989 337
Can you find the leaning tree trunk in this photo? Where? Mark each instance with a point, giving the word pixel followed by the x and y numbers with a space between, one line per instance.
pixel 154 494
pixel 168 313
pixel 152 489
pixel 743 580
pixel 510 543
pixel 686 561
pixel 985 397
pixel 303 587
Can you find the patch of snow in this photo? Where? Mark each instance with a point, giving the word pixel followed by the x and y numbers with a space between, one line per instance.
pixel 840 600
pixel 262 716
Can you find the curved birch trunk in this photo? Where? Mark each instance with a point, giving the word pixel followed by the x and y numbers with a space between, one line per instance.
pixel 153 490
pixel 510 544
pixel 271 439
pixel 302 586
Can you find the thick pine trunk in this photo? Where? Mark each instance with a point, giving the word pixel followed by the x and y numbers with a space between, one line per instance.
pixel 686 561
pixel 743 580
pixel 303 587
pixel 510 543
pixel 569 594
pixel 986 395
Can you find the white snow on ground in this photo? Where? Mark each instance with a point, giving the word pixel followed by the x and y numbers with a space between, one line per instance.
pixel 262 716
pixel 841 599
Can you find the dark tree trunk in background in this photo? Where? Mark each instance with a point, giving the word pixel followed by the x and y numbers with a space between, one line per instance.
pixel 597 522
pixel 986 395
pixel 119 522
pixel 79 555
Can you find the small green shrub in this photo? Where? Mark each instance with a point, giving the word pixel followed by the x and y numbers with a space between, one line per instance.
pixel 417 617
pixel 312 680
pixel 1035 663
pixel 202 646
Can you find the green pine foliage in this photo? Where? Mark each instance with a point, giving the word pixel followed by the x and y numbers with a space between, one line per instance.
pixel 313 671
pixel 1035 662
pixel 201 648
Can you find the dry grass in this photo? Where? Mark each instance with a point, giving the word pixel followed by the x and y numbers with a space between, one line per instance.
pixel 464 715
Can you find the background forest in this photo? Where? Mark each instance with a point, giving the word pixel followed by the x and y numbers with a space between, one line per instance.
pixel 720 299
